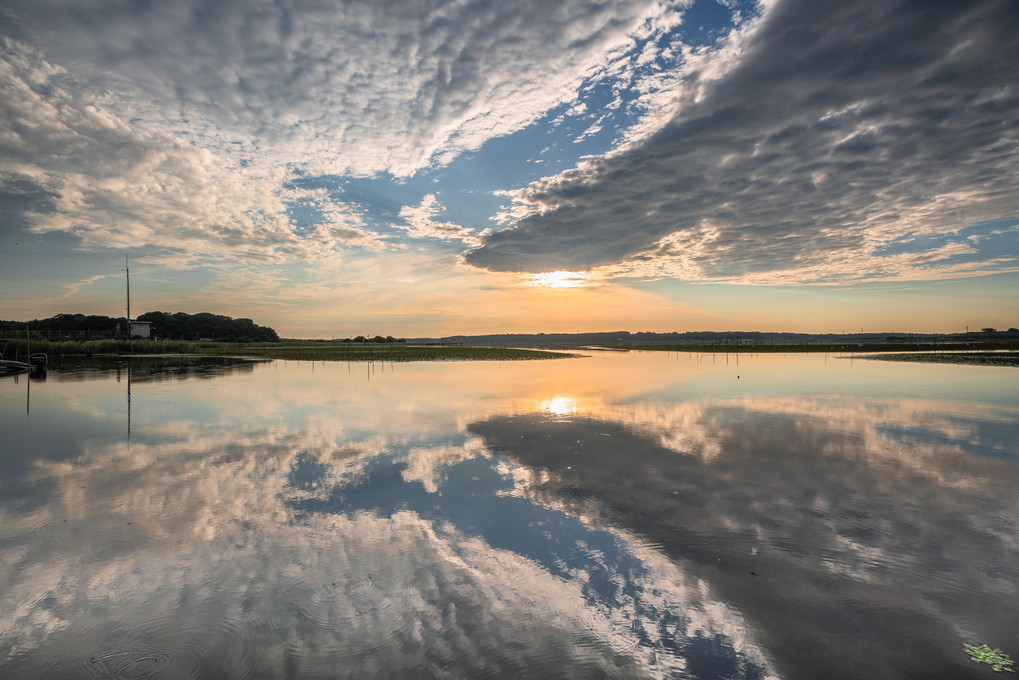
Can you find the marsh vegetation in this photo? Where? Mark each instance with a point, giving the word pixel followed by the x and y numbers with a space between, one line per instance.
pixel 968 358
pixel 289 350
pixel 388 352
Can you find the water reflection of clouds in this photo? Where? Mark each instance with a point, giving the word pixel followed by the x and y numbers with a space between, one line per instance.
pixel 306 521
pixel 917 539
pixel 658 614
pixel 202 540
pixel 210 542
pixel 893 431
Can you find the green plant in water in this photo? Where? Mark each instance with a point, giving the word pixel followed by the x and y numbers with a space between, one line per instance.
pixel 999 660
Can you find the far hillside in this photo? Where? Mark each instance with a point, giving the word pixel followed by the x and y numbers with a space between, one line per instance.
pixel 728 339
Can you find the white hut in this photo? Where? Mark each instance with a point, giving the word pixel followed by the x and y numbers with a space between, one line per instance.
pixel 141 329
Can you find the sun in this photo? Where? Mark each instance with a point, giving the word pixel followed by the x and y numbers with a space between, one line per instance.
pixel 559 279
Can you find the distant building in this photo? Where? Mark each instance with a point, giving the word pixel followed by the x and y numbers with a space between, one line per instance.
pixel 141 329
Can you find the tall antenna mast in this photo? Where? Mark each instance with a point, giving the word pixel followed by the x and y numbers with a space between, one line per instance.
pixel 128 270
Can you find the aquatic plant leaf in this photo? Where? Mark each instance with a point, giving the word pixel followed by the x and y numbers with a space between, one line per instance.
pixel 998 660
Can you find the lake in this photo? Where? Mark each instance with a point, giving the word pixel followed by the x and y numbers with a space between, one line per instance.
pixel 622 515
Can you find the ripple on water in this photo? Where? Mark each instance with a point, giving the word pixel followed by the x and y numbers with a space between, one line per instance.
pixel 207 646
pixel 139 664
pixel 167 649
pixel 315 602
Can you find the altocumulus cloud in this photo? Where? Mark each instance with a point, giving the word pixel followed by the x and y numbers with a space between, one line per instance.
pixel 815 143
pixel 184 124
pixel 421 223
pixel 116 182
pixel 359 87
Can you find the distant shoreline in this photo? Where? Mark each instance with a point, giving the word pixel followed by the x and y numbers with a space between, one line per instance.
pixel 756 341
pixel 830 348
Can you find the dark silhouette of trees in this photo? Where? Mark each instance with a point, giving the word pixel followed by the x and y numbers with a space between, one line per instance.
pixel 205 325
pixel 67 323
pixel 176 326
pixel 377 338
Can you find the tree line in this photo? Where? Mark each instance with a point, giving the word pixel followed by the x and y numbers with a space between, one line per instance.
pixel 174 326
pixel 377 338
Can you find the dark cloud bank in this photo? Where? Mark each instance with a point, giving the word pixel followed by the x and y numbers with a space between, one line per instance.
pixel 843 127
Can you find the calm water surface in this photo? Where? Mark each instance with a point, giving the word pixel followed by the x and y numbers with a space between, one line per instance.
pixel 617 516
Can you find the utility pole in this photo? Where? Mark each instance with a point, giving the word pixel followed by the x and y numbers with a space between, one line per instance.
pixel 127 269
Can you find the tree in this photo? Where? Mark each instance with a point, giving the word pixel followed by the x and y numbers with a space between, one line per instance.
pixel 207 325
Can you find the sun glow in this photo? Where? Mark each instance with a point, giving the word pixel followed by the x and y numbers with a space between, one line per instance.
pixel 559 279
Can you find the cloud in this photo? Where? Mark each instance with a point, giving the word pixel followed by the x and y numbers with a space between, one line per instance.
pixel 185 129
pixel 813 135
pixel 73 288
pixel 346 88
pixel 420 223
pixel 115 183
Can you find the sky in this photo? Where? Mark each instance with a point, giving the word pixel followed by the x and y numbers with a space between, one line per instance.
pixel 422 168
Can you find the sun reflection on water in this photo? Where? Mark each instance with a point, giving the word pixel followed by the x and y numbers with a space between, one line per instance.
pixel 560 405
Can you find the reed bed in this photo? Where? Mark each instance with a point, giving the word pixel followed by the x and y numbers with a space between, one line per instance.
pixel 20 347
pixel 968 358
pixel 290 350
pixel 388 353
